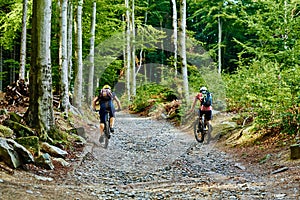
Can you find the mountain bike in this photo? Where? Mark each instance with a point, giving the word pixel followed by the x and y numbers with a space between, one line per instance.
pixel 199 130
pixel 106 129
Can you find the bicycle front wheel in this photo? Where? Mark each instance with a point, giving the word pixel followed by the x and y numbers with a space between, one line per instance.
pixel 198 131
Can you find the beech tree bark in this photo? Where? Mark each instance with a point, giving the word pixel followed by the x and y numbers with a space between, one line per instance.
pixel 91 57
pixel 23 42
pixel 64 90
pixel 175 34
pixel 133 93
pixel 183 49
pixel 128 49
pixel 219 46
pixel 78 71
pixel 70 42
pixel 39 114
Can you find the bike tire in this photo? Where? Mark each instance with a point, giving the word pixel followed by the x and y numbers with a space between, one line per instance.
pixel 199 136
pixel 209 133
pixel 106 134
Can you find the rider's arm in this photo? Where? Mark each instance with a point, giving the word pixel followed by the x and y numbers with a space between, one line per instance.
pixel 118 102
pixel 94 102
pixel 193 105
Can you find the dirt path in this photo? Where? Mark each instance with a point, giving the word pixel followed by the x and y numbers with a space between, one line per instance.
pixel 149 159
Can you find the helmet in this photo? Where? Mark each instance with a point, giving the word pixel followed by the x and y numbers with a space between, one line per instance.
pixel 202 89
pixel 106 87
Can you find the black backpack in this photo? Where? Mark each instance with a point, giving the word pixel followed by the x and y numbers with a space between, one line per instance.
pixel 207 99
pixel 105 95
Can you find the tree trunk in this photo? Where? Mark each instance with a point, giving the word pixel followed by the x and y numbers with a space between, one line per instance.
pixel 219 45
pixel 23 42
pixel 40 111
pixel 78 71
pixel 183 50
pixel 295 151
pixel 162 78
pixel 65 104
pixel 70 42
pixel 128 49
pixel 142 52
pixel 133 93
pixel 175 35
pixel 91 58
pixel 1 68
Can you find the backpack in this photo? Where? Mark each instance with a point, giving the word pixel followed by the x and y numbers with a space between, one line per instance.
pixel 207 99
pixel 105 95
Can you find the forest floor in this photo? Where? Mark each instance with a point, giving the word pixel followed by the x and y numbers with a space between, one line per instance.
pixel 152 159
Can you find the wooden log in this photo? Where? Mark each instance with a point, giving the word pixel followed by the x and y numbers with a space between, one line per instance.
pixel 283 169
pixel 295 151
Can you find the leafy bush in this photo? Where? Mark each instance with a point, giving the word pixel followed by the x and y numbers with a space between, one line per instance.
pixel 149 94
pixel 267 92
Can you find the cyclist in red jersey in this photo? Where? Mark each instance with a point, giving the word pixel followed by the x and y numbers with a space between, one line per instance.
pixel 207 110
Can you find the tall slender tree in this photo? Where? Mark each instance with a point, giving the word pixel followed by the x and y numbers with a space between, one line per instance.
pixel 23 41
pixel 70 40
pixel 175 33
pixel 39 114
pixel 219 45
pixel 128 50
pixel 63 57
pixel 183 50
pixel 92 56
pixel 1 67
pixel 78 72
pixel 133 50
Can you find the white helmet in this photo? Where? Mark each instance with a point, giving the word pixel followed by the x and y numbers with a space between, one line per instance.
pixel 202 89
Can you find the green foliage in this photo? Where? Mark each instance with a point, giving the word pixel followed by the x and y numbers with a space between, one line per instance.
pixel 209 77
pixel 196 80
pixel 267 83
pixel 11 23
pixel 110 75
pixel 203 18
pixel 150 94
pixel 272 97
pixel 273 32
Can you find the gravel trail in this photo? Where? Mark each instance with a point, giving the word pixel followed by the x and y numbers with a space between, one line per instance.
pixel 149 159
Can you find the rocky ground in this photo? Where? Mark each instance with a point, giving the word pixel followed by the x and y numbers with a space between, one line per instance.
pixel 150 159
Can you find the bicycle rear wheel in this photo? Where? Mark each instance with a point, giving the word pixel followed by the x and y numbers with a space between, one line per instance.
pixel 106 134
pixel 209 133
pixel 198 131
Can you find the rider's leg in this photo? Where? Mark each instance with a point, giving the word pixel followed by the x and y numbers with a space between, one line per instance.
pixel 208 118
pixel 102 121
pixel 101 128
pixel 112 118
pixel 112 121
pixel 101 132
pixel 207 124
